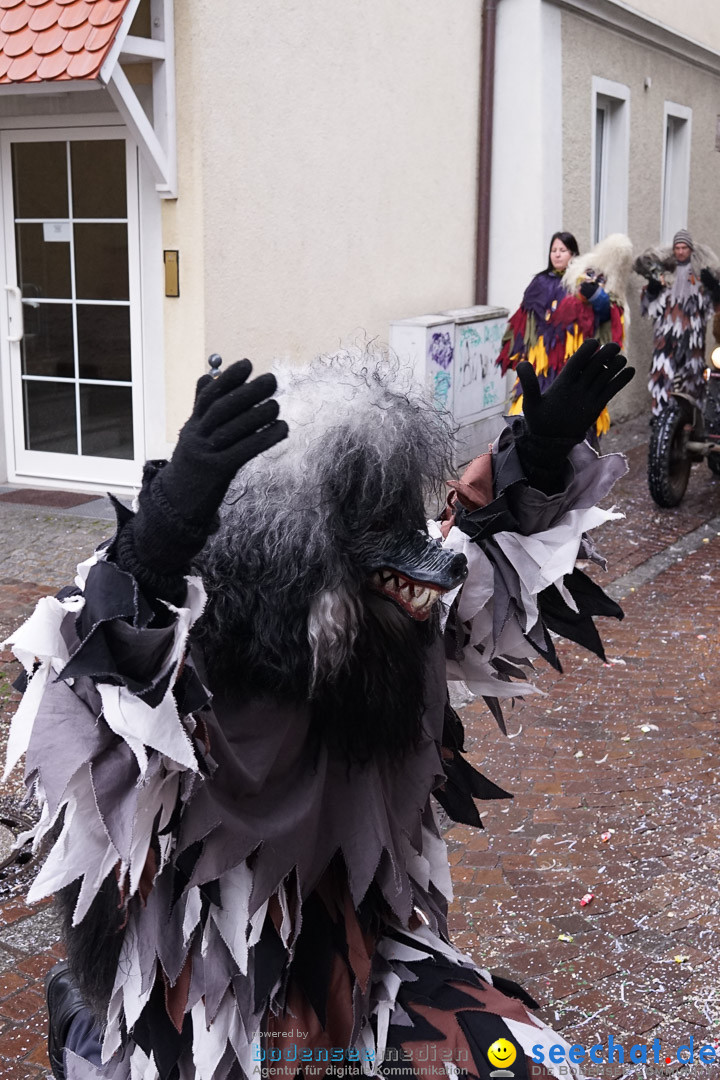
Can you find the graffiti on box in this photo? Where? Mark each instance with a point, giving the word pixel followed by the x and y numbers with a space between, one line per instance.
pixel 440 368
pixel 479 384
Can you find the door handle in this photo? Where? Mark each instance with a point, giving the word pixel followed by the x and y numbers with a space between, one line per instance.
pixel 15 319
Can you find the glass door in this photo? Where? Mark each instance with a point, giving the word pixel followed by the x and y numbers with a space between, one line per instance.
pixel 72 305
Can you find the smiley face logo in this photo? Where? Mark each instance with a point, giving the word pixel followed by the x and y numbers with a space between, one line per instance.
pixel 502 1053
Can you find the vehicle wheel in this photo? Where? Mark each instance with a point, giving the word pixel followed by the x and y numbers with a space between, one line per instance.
pixel 713 461
pixel 668 461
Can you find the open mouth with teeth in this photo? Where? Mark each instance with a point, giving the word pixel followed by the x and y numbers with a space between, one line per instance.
pixel 416 598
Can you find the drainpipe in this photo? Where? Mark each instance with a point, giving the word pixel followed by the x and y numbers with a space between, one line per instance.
pixel 485 143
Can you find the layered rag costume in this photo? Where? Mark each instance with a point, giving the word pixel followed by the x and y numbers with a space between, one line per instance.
pixel 234 760
pixel 679 298
pixel 559 312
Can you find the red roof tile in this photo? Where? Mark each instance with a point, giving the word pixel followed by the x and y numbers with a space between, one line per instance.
pixel 76 14
pixel 107 11
pixel 23 67
pixel 99 37
pixel 15 19
pixel 19 43
pixel 75 40
pixel 46 16
pixel 48 40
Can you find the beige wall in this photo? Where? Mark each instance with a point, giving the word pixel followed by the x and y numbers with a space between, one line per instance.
pixel 327 173
pixel 591 50
pixel 697 19
pixel 183 230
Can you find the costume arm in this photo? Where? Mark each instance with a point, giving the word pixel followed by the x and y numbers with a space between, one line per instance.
pixel 521 524
pixel 108 721
pixel 522 547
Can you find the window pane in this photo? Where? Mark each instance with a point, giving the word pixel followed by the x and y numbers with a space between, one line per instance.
pixel 47 344
pixel 43 265
pixel 104 342
pixel 106 421
pixel 50 417
pixel 101 262
pixel 40 179
pixel 98 178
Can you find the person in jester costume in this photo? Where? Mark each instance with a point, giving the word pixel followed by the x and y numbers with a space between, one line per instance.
pixel 584 299
pixel 236 725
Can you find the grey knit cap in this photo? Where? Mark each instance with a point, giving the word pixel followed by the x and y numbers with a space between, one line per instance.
pixel 682 236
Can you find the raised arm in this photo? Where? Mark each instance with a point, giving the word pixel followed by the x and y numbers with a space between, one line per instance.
pixel 234 419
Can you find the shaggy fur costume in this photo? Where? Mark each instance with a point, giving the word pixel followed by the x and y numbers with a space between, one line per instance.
pixel 236 795
pixel 679 312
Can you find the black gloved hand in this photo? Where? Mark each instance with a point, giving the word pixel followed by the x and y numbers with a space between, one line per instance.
pixel 711 283
pixel 232 421
pixel 653 287
pixel 588 289
pixel 560 418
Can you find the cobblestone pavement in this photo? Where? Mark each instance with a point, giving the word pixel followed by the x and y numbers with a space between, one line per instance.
pixel 614 780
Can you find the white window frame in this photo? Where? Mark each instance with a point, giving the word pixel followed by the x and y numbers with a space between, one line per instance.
pixel 674 203
pixel 613 99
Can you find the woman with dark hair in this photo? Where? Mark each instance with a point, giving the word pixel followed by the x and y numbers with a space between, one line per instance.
pixel 531 333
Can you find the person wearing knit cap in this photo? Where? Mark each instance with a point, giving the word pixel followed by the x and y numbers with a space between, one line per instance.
pixel 682 290
pixel 682 236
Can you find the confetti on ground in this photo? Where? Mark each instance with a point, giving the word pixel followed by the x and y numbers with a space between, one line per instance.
pixel 569 937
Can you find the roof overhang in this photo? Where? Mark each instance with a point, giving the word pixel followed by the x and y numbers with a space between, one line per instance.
pixel 156 137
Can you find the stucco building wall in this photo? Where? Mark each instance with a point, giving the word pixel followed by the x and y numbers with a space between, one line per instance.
pixel 327 175
pixel 697 19
pixel 590 50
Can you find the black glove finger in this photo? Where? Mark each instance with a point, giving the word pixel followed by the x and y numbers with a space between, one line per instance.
pixel 621 380
pixel 253 445
pixel 236 402
pixel 577 363
pixel 203 381
pixel 242 425
pixel 234 376
pixel 530 386
pixel 597 365
pixel 601 373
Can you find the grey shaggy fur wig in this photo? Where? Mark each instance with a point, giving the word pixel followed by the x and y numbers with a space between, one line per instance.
pixel 286 572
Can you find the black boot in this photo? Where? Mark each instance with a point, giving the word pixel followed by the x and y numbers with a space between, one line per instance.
pixel 63 1004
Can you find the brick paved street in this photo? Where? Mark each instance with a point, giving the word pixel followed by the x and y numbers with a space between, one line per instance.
pixel 632 747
